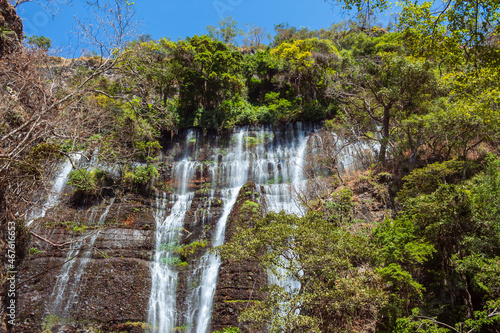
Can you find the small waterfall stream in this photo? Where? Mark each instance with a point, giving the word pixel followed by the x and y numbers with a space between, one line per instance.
pixel 56 190
pixel 162 306
pixel 236 166
pixel 65 292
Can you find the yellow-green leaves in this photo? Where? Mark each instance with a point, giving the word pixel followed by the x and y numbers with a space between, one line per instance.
pixel 300 52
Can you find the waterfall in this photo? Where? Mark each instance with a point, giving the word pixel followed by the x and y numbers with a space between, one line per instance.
pixel 203 176
pixel 162 307
pixel 162 304
pixel 209 279
pixel 70 277
pixel 275 160
pixel 282 196
pixel 55 192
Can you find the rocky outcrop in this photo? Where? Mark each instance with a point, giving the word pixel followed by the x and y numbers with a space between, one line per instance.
pixel 89 263
pixel 89 268
pixel 239 283
pixel 11 31
pixel 11 28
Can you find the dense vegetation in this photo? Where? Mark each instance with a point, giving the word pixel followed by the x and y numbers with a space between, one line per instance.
pixel 428 92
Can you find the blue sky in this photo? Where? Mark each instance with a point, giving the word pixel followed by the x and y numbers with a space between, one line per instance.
pixel 182 18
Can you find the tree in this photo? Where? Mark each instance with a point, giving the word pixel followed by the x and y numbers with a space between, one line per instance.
pixel 41 42
pixel 347 282
pixel 255 36
pixel 461 222
pixel 109 27
pixel 365 9
pixel 325 260
pixel 227 31
pixel 306 64
pixel 284 32
pixel 460 31
pixel 452 32
pixel 45 115
pixel 385 90
pixel 150 87
pixel 207 73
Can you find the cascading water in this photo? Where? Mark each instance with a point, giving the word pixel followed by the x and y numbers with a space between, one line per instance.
pixel 68 281
pixel 273 160
pixel 235 166
pixel 162 304
pixel 202 176
pixel 55 192
pixel 283 196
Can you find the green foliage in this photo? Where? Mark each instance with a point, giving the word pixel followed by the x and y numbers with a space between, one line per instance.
pixel 141 175
pixel 461 223
pixel 37 156
pixel 229 330
pixel 446 33
pixel 34 251
pixel 152 84
pixel 226 32
pixel 191 248
pixel 383 91
pixel 427 179
pixel 250 207
pixel 339 208
pixel 41 42
pixel 89 182
pixel 174 261
pixel 398 243
pixel 483 321
pixel 170 247
pixel 327 261
pixel 207 73
pixel 50 321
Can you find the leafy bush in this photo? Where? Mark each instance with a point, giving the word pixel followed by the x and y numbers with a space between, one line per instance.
pixel 89 182
pixel 188 249
pixel 427 179
pixel 281 110
pixel 141 175
pixel 41 42
pixel 229 330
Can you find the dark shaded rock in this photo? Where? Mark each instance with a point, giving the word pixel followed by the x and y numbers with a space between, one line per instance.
pixel 11 28
pixel 239 284
pixel 108 249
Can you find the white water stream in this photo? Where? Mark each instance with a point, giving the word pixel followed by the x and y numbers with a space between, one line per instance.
pixel 56 190
pixel 274 161
pixel 162 303
pixel 67 287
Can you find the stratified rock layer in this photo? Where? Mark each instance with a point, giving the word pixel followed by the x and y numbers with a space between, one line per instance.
pixel 107 248
pixel 239 283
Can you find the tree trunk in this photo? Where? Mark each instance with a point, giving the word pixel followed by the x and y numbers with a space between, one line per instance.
pixel 385 133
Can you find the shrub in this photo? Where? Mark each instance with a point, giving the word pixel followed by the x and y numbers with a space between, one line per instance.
pixel 141 175
pixel 89 182
pixel 427 179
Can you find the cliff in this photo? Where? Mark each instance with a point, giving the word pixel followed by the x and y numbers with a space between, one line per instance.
pixel 11 28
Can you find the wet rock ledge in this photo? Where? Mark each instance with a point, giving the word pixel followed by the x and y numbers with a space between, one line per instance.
pixel 88 269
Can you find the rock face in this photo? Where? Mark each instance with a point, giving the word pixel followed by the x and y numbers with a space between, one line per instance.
pixel 239 284
pixel 92 263
pixel 89 268
pixel 11 28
